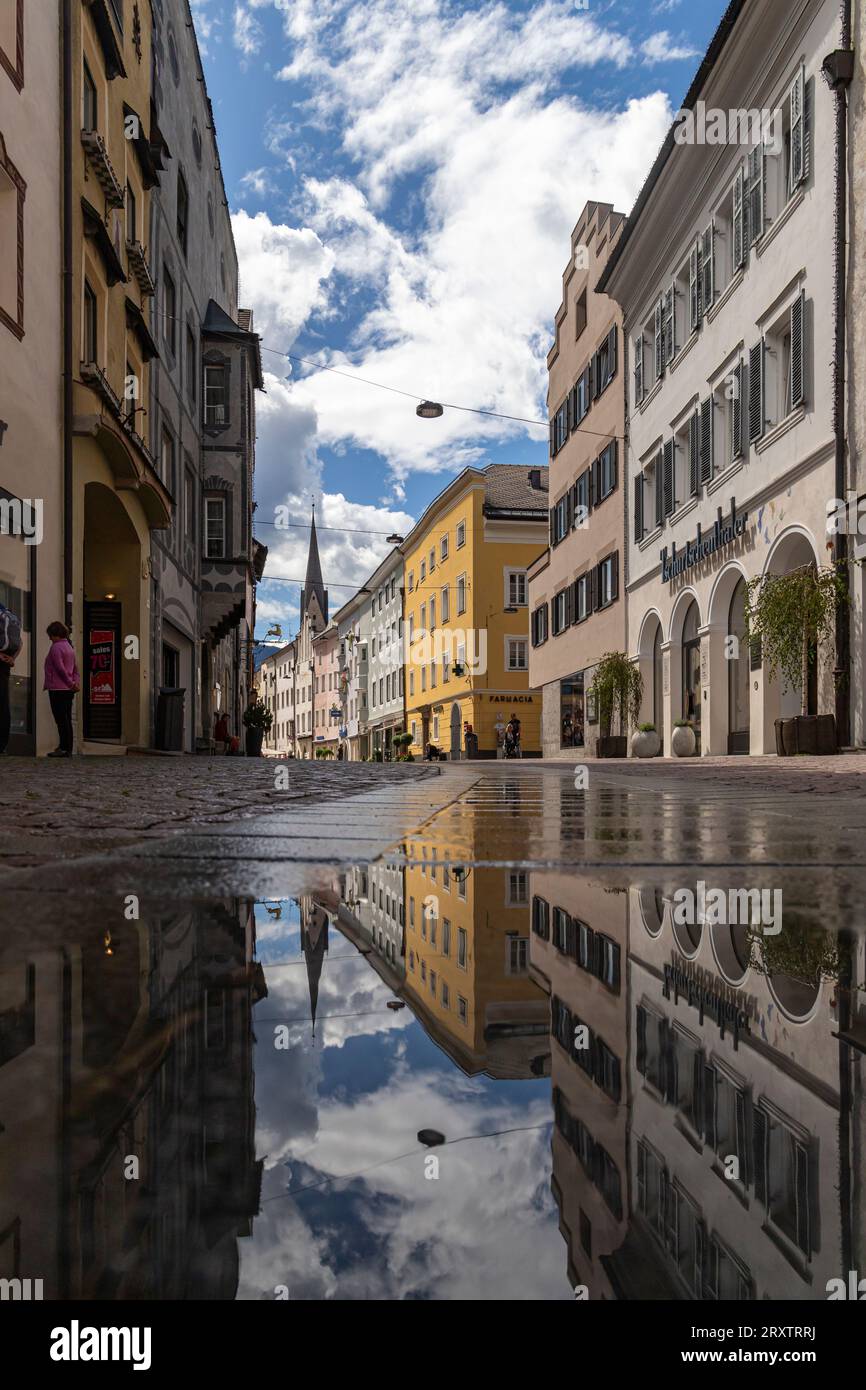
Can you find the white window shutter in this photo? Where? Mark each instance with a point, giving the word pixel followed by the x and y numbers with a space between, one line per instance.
pixel 659 341
pixel 739 237
pixel 708 268
pixel 798 356
pixel 694 311
pixel 756 391
pixel 638 369
pixel 798 129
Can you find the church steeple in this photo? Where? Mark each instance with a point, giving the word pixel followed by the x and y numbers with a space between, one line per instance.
pixel 314 940
pixel 313 585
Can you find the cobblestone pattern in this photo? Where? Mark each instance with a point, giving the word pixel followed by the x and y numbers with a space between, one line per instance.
pixel 89 804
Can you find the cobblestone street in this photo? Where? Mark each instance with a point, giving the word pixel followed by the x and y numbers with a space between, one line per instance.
pixel 57 810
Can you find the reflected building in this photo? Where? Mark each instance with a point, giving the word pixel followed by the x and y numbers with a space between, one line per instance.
pixel 373 893
pixel 734 1073
pixel 467 963
pixel 127 1138
pixel 578 956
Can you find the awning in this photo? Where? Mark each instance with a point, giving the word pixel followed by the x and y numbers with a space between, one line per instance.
pixel 135 320
pixel 97 232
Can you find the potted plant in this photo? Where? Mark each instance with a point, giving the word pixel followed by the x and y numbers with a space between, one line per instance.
pixel 617 687
pixel 324 752
pixel 683 741
pixel 257 722
pixel 645 742
pixel 790 614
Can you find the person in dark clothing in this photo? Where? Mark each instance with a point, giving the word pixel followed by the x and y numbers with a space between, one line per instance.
pixel 10 646
pixel 63 683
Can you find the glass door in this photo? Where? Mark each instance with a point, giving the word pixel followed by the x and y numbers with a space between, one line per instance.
pixel 692 672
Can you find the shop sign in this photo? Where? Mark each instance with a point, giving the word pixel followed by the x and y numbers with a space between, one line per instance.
pixel 726 1012
pixel 510 699
pixel 103 675
pixel 725 530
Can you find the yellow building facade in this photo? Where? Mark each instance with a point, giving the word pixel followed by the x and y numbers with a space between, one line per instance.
pixel 118 491
pixel 467 963
pixel 466 625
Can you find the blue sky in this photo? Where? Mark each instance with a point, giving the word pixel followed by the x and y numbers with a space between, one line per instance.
pixel 404 178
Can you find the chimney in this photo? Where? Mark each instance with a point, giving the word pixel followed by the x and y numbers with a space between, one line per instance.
pixel 535 479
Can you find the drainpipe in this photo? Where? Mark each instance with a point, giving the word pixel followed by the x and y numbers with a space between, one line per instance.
pixel 838 70
pixel 68 535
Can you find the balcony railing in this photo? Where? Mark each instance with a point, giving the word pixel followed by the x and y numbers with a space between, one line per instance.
pixel 138 264
pixel 103 168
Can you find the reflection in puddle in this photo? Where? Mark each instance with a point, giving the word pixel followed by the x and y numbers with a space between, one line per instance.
pixel 223 1099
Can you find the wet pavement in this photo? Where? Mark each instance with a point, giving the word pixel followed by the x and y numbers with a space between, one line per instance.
pixel 631 1016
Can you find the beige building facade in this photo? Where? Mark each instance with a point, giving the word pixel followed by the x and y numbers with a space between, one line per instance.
pixel 576 598
pixel 31 459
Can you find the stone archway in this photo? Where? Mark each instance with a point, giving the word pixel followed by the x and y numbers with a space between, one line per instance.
pixel 455 730
pixel 650 660
pixel 793 549
pixel 728 715
pixel 113 580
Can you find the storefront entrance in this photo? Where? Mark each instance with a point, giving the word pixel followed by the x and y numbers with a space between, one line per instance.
pixel 17 593
pixel 738 673
pixel 572 711
pixel 102 671
pixel 692 672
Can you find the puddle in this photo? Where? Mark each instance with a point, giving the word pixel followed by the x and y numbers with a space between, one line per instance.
pixel 631 1091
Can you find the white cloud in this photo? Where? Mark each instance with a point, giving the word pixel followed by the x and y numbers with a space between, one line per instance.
pixel 207 23
pixel 248 35
pixel 456 304
pixel 257 181
pixel 661 48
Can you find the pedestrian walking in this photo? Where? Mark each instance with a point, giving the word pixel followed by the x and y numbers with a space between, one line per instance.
pixel 10 646
pixel 63 683
pixel 221 731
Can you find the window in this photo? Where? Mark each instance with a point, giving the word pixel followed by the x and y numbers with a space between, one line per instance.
pixel 90 339
pixel 461 534
pixel 189 507
pixel 443 548
pixel 432 558
pixel 606 472
pixel 461 594
pixel 446 995
pixel 608 580
pixel 215 528
pixel 167 460
pixel 461 947
pixel 446 932
pixel 582 603
pixel 462 1012
pixel 131 215
pixel 516 649
pixel 518 888
pixel 580 316
pixel 515 588
pixel 604 364
pixel 539 626
pixel 559 613
pixel 182 211
pixel 422 572
pixel 559 427
pixel 444 603
pixel 190 364
pixel 517 958
pixel 89 104
pixel 215 393
pixel 169 310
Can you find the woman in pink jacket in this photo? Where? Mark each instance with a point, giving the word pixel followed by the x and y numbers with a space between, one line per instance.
pixel 62 682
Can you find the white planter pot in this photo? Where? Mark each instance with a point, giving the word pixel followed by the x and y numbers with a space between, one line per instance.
pixel 683 742
pixel 645 744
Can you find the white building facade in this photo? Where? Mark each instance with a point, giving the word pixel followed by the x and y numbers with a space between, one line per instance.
pixel 384 616
pixel 275 683
pixel 725 276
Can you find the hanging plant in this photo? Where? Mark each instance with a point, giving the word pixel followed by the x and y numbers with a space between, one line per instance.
pixel 617 686
pixel 791 614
